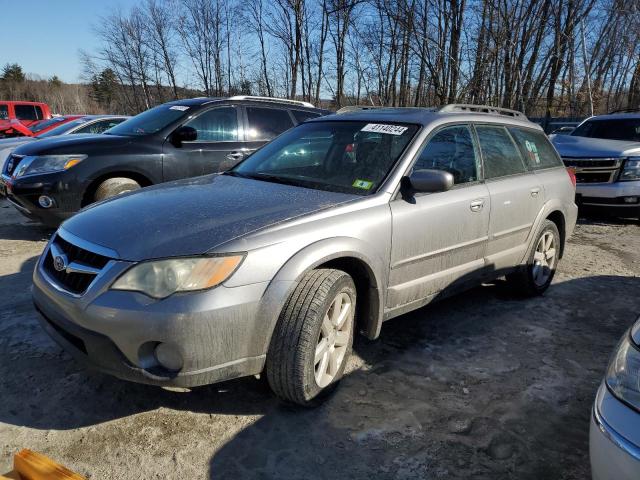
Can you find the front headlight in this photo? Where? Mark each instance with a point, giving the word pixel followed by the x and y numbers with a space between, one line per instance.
pixel 34 165
pixel 159 279
pixel 631 170
pixel 623 374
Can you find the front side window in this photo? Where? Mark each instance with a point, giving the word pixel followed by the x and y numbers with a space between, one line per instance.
pixel 452 150
pixel 26 112
pixel 500 155
pixel 267 123
pixel 536 148
pixel 610 129
pixel 151 121
pixel 4 112
pixel 350 157
pixel 216 125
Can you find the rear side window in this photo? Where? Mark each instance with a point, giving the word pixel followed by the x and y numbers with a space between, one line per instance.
pixel 4 112
pixel 452 150
pixel 536 149
pixel 26 112
pixel 500 155
pixel 267 123
pixel 301 115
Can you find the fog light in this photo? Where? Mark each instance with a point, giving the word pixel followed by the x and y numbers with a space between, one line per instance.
pixel 45 201
pixel 168 356
pixel 630 199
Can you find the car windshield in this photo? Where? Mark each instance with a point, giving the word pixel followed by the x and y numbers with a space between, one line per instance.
pixel 349 157
pixel 614 129
pixel 38 127
pixel 151 121
pixel 60 129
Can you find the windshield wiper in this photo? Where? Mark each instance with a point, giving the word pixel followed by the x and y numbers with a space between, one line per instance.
pixel 265 177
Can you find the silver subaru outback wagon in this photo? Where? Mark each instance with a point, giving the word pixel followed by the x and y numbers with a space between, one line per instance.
pixel 334 227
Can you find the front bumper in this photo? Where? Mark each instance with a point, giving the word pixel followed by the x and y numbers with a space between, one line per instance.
pixel 610 197
pixel 218 333
pixel 614 439
pixel 23 194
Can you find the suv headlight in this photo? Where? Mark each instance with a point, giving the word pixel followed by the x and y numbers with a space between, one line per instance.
pixel 631 170
pixel 623 374
pixel 161 278
pixel 34 165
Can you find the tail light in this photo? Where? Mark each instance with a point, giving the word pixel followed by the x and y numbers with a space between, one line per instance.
pixel 572 176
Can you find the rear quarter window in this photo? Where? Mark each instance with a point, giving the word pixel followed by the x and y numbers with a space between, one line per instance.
pixel 302 116
pixel 536 149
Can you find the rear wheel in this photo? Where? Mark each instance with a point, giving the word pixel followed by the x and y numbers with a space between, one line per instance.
pixel 536 276
pixel 114 186
pixel 312 339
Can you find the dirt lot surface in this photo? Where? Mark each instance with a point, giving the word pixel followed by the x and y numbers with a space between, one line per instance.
pixel 483 385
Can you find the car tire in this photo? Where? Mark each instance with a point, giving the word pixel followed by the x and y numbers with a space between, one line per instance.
pixel 534 277
pixel 114 186
pixel 312 339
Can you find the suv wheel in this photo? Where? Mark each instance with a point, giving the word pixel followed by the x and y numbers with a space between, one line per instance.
pixel 312 339
pixel 536 276
pixel 114 186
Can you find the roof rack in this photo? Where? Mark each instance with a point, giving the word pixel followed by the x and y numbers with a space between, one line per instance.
pixel 464 107
pixel 272 99
pixel 624 110
pixel 357 108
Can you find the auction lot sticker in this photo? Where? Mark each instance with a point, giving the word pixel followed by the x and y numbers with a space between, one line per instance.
pixel 384 128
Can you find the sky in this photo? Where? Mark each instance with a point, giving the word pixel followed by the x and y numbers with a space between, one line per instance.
pixel 45 36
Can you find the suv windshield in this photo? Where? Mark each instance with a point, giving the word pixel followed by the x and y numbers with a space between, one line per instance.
pixel 151 121
pixel 350 157
pixel 613 129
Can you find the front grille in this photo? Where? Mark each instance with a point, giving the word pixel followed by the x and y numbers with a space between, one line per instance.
pixel 594 170
pixel 12 163
pixel 73 281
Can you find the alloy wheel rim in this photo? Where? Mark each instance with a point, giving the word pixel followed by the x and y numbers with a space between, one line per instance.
pixel 544 258
pixel 333 340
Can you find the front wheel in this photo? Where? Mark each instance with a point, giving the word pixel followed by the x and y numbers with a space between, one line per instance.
pixel 536 276
pixel 312 339
pixel 115 186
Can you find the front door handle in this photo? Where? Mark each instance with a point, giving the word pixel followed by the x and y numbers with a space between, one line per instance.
pixel 476 205
pixel 535 191
pixel 235 156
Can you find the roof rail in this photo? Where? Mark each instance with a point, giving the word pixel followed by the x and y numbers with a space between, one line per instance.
pixel 357 108
pixel 272 99
pixel 624 110
pixel 464 107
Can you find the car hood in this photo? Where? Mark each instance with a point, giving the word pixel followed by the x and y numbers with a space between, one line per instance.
pixel 71 144
pixel 585 147
pixel 192 216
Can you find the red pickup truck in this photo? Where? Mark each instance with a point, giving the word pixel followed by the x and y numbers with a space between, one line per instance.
pixel 15 116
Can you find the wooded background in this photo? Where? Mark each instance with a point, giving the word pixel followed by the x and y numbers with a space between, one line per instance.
pixel 543 57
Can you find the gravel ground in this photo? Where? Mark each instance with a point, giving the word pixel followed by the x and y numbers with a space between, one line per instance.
pixel 483 385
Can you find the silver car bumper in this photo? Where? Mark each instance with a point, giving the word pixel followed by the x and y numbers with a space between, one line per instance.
pixel 614 439
pixel 218 333
pixel 610 196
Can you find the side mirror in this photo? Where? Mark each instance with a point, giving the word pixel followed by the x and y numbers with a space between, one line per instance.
pixel 430 181
pixel 184 134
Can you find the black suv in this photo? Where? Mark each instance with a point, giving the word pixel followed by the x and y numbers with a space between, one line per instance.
pixel 52 179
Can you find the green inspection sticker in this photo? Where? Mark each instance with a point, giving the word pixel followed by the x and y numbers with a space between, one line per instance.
pixel 364 184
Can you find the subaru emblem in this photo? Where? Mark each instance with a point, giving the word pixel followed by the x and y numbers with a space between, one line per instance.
pixel 60 263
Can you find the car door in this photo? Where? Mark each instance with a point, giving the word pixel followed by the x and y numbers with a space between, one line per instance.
pixel 218 145
pixel 264 123
pixel 516 194
pixel 439 239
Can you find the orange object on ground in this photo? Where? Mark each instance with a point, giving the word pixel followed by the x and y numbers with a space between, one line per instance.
pixel 29 465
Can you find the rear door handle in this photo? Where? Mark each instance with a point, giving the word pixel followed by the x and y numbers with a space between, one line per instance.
pixel 235 156
pixel 476 205
pixel 535 191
